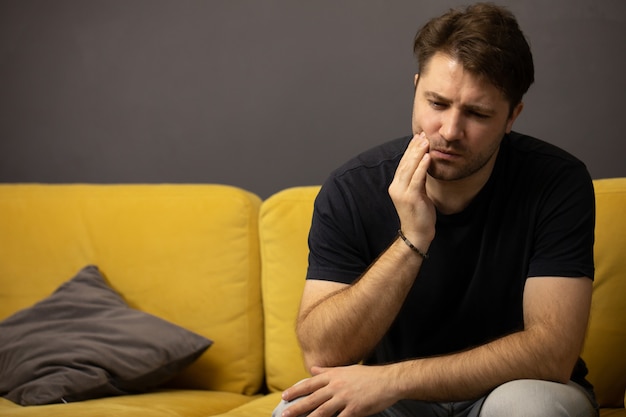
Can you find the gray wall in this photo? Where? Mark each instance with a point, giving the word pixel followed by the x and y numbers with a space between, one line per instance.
pixel 268 94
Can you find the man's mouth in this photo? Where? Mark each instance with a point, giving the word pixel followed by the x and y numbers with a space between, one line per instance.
pixel 446 154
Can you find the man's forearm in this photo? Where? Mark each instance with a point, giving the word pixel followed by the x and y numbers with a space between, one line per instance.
pixel 535 353
pixel 474 373
pixel 556 311
pixel 345 326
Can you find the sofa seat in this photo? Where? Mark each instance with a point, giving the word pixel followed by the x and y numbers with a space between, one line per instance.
pixel 161 403
pixel 612 412
pixel 261 407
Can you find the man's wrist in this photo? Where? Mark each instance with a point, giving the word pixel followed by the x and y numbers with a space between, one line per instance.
pixel 414 248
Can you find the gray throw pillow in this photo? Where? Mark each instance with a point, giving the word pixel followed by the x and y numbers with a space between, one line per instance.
pixel 85 342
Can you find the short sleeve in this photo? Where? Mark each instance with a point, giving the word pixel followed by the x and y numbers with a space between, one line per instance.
pixel 335 250
pixel 565 226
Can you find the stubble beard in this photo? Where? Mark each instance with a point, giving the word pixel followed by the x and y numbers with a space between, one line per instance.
pixel 470 165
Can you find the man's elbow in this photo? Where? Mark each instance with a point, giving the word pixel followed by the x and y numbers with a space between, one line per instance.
pixel 325 357
pixel 561 376
pixel 310 361
pixel 560 369
pixel 318 352
pixel 313 357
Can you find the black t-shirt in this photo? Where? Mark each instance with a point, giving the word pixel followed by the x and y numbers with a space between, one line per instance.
pixel 534 217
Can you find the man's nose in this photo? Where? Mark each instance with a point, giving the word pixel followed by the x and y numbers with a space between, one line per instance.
pixel 451 125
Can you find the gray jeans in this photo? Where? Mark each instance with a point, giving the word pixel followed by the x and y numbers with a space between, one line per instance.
pixel 522 398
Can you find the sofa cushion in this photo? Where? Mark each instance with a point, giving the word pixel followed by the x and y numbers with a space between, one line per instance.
pixel 284 224
pixel 84 342
pixel 183 252
pixel 258 407
pixel 606 336
pixel 159 403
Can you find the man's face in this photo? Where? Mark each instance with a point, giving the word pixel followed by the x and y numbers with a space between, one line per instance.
pixel 463 116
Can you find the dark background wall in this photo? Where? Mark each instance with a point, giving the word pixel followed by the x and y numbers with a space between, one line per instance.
pixel 268 94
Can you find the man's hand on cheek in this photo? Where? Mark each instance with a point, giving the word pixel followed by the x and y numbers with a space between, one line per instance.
pixel 408 192
pixel 355 390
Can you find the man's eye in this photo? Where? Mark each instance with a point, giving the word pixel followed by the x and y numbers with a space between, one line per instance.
pixel 437 105
pixel 479 115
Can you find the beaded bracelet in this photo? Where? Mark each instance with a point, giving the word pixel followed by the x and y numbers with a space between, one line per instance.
pixel 410 245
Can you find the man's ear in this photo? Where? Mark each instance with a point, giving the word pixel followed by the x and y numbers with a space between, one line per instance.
pixel 415 80
pixel 516 112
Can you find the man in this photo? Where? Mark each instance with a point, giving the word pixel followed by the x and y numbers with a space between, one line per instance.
pixel 450 273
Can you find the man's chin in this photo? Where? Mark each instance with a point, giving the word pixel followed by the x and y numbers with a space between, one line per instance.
pixel 449 171
pixel 445 173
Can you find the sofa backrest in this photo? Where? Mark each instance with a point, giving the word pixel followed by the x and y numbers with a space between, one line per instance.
pixel 284 224
pixel 186 253
pixel 605 347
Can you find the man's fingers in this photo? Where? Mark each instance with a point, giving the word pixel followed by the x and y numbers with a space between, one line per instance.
pixel 300 389
pixel 306 404
pixel 419 176
pixel 412 158
pixel 316 370
pixel 410 176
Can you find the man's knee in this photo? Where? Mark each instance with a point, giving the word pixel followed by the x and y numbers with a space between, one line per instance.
pixel 283 405
pixel 537 398
pixel 278 411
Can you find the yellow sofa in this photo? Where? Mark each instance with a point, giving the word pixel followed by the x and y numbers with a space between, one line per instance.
pixel 220 262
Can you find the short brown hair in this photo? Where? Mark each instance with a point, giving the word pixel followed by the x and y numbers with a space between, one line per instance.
pixel 487 41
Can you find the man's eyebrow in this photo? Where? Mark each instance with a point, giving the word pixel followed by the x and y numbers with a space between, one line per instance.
pixel 437 97
pixel 478 108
